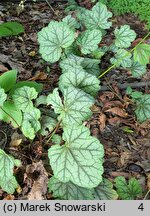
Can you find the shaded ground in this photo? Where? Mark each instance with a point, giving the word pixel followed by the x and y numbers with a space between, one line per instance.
pixel 126 143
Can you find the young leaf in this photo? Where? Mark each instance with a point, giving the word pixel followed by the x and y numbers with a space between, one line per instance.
pixel 31 124
pixel 8 80
pixel 79 160
pixel 3 96
pixel 71 22
pixel 137 70
pixel 68 191
pixel 75 108
pixel 89 40
pixel 47 125
pixel 127 191
pixel 7 180
pixel 124 36
pixel 105 191
pixel 143 108
pixel 38 86
pixel 10 29
pixel 125 56
pixel 142 54
pixel 97 18
pixel 41 100
pixel 90 65
pixel 79 78
pixel 9 113
pixel 23 97
pixel 53 38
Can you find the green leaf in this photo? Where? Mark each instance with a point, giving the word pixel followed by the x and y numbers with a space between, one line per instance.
pixel 31 124
pixel 23 97
pixel 79 78
pixel 47 125
pixel 97 18
pixel 9 185
pixel 137 70
pixel 124 36
pixel 79 160
pixel 89 40
pixel 10 29
pixel 122 58
pixel 75 108
pixel 3 96
pixel 38 86
pixel 7 180
pixel 128 191
pixel 105 191
pixel 90 65
pixel 53 38
pixel 41 100
pixel 71 22
pixel 68 191
pixel 56 139
pixel 9 113
pixel 142 54
pixel 8 80
pixel 143 108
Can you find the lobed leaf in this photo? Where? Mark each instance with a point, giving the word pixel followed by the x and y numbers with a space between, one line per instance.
pixel 71 22
pixel 127 191
pixel 7 180
pixel 122 58
pixel 143 108
pixel 78 161
pixel 68 190
pixel 89 40
pixel 31 124
pixel 137 69
pixel 124 36
pixel 53 38
pixel 23 97
pixel 105 191
pixel 75 107
pixel 142 54
pixel 90 65
pixel 79 78
pixel 97 18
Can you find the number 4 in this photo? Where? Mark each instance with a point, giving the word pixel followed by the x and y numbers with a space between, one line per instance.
pixel 141 207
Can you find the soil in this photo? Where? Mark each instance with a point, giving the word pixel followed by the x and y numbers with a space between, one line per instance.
pixel 126 142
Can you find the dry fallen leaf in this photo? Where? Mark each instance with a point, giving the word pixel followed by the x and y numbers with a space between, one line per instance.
pixel 36 174
pixel 118 111
pixel 102 121
pixel 39 76
pixel 107 96
pixel 3 68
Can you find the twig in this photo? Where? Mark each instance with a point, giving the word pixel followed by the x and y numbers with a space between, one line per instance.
pixel 125 85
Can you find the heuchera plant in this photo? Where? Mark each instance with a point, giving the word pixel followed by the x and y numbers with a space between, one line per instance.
pixel 74 43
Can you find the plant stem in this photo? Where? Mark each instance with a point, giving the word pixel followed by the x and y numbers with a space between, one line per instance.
pixel 146 194
pixel 50 6
pixel 112 66
pixel 54 131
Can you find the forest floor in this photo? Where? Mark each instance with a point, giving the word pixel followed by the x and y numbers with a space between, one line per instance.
pixel 126 142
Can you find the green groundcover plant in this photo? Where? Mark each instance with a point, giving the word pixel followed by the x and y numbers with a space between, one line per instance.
pixel 77 164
